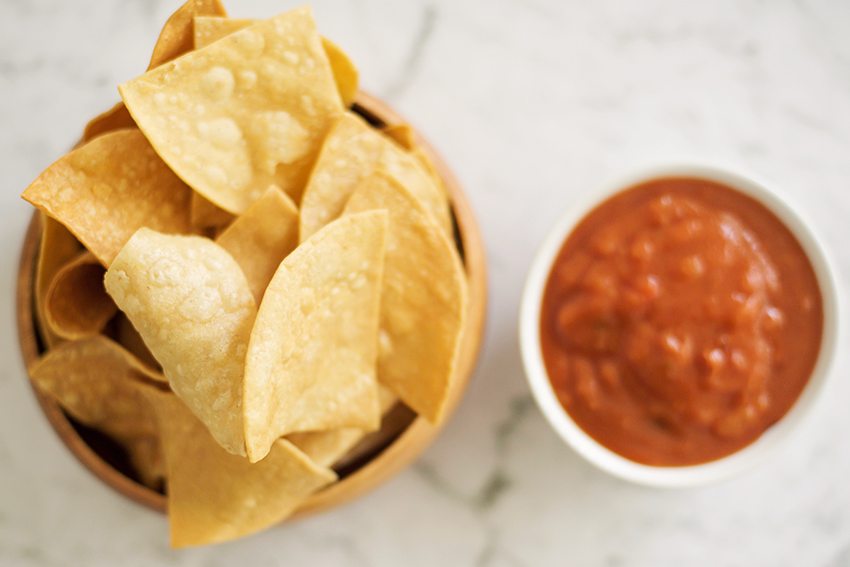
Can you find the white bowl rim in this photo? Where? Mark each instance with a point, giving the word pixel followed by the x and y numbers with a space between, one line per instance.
pixel 769 442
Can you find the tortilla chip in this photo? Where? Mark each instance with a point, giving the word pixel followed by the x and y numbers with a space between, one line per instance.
pixel 262 237
pixel 214 496
pixel 177 36
pixel 77 305
pixel 311 358
pixel 423 300
pixel 345 72
pixel 93 379
pixel 403 134
pixel 128 337
pixel 146 457
pixel 206 216
pixel 211 29
pixel 192 306
pixel 57 247
pixel 109 188
pixel 351 152
pixel 428 166
pixel 327 447
pixel 116 118
pixel 250 128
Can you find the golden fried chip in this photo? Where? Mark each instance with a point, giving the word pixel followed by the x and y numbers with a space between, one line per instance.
pixel 311 358
pixel 327 447
pixel 108 189
pixel 345 72
pixel 423 300
pixel 403 134
pixel 177 36
pixel 206 216
pixel 253 107
pixel 145 455
pixel 214 496
pixel 77 305
pixel 192 306
pixel 57 247
pixel 351 152
pixel 127 336
pixel 116 118
pixel 211 29
pixel 93 379
pixel 262 237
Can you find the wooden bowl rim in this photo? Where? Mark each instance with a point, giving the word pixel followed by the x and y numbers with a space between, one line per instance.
pixel 401 452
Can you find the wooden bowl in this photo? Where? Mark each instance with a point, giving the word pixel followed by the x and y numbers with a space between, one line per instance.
pixel 400 442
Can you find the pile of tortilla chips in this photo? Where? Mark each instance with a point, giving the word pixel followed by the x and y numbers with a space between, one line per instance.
pixel 239 276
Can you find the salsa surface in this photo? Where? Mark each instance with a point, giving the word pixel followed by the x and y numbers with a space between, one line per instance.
pixel 680 320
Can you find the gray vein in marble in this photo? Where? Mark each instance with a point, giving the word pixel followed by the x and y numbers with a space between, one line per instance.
pixel 411 64
pixel 498 483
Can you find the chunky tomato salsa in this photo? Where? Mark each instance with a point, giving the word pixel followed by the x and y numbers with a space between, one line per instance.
pixel 680 320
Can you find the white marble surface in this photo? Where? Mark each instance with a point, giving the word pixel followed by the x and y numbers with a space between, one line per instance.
pixel 531 102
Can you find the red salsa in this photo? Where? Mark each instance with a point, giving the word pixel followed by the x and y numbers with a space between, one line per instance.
pixel 680 320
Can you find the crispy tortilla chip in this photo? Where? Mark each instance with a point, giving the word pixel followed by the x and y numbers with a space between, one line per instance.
pixel 109 188
pixel 214 496
pixel 311 358
pixel 145 455
pixel 127 336
pixel 177 36
pixel 211 29
pixel 192 306
pixel 116 118
pixel 253 107
pixel 345 72
pixel 57 247
pixel 327 447
pixel 403 134
pixel 351 152
pixel 77 304
pixel 428 166
pixel 262 237
pixel 94 380
pixel 206 216
pixel 423 300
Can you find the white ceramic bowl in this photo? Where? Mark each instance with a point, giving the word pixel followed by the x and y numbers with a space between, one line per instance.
pixel 682 476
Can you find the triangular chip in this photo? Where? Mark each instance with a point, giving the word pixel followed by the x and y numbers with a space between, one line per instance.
pixel 57 247
pixel 327 447
pixel 93 380
pixel 423 300
pixel 116 118
pixel 403 134
pixel 351 152
pixel 77 304
pixel 212 29
pixel 108 189
pixel 345 72
pixel 192 305
pixel 311 359
pixel 177 36
pixel 262 237
pixel 209 29
pixel 214 496
pixel 253 107
pixel 207 216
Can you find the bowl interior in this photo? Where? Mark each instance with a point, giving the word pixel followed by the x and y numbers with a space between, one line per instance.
pixel 725 467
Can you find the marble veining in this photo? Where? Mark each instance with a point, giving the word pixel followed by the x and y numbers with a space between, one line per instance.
pixel 531 102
